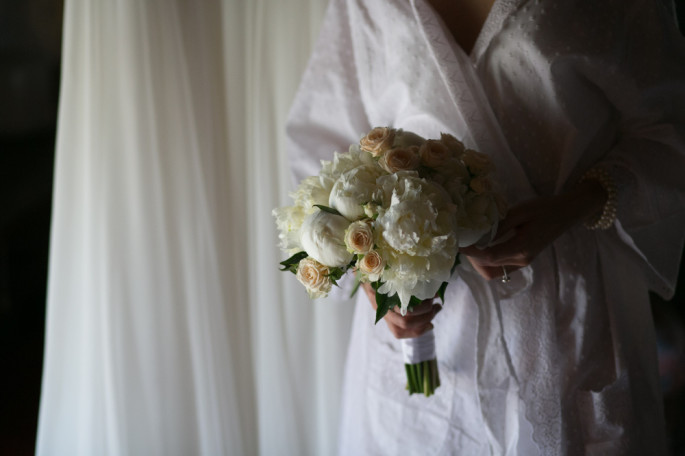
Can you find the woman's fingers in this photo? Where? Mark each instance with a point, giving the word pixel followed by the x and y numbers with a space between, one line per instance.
pixel 411 321
pixel 491 272
pixel 517 251
pixel 411 325
pixel 401 333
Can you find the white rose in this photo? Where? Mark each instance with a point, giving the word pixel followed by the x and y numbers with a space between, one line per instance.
pixel 378 141
pixel 434 154
pixel 479 217
pixel 353 189
pixel 322 236
pixel 372 265
pixel 359 237
pixel 400 159
pixel 314 276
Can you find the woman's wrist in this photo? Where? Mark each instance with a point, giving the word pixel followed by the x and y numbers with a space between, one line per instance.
pixel 585 202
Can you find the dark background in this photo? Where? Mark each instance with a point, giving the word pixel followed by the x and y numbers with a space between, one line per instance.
pixel 30 40
pixel 30 37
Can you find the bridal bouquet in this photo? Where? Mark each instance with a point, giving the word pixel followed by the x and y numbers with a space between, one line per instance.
pixel 395 209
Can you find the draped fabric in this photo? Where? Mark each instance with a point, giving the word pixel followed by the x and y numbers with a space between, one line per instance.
pixel 169 328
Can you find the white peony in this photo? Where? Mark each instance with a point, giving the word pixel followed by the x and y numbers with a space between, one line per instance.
pixel 288 221
pixel 341 163
pixel 322 236
pixel 310 192
pixel 416 232
pixel 416 276
pixel 354 189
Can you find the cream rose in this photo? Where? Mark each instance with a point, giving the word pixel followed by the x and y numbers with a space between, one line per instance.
pixel 378 141
pixel 434 154
pixel 314 276
pixel 453 144
pixel 359 237
pixel 481 184
pixel 406 139
pixel 372 265
pixel 477 163
pixel 400 159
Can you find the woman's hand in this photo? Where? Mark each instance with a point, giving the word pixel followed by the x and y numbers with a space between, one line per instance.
pixel 532 226
pixel 415 323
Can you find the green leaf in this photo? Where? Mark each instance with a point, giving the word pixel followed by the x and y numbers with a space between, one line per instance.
pixel 383 302
pixel 457 260
pixel 330 210
pixel 413 302
pixel 381 305
pixel 441 292
pixel 335 274
pixel 357 283
pixel 291 263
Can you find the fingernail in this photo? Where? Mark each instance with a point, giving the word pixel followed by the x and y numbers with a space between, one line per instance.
pixel 436 308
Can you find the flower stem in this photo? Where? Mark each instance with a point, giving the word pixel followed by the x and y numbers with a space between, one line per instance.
pixel 422 378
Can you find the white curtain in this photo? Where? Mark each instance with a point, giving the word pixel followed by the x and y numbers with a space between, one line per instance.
pixel 169 328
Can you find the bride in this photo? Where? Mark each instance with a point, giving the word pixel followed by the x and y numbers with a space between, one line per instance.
pixel 580 105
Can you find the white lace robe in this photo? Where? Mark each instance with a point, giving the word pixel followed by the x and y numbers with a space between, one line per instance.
pixel 561 360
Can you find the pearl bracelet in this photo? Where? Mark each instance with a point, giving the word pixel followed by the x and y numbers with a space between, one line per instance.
pixel 606 219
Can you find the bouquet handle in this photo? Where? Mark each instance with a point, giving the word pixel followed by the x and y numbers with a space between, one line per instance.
pixel 420 363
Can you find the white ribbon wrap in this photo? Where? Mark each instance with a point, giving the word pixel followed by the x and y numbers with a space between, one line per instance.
pixel 420 348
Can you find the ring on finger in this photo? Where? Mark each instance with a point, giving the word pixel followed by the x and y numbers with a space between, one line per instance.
pixel 505 275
